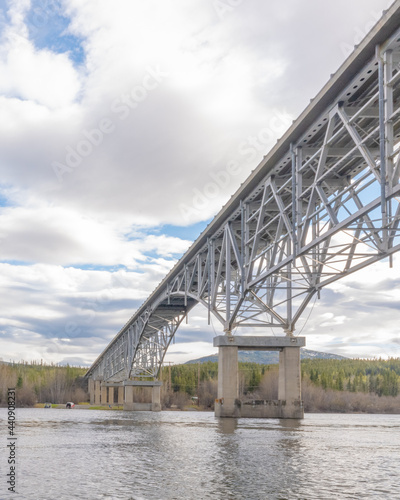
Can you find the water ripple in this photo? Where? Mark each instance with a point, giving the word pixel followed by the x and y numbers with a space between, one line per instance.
pixel 177 455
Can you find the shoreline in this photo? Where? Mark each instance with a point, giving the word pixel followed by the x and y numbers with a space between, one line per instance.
pixel 189 409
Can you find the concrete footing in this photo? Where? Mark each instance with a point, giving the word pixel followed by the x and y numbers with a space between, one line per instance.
pixel 122 393
pixel 289 403
pixel 130 404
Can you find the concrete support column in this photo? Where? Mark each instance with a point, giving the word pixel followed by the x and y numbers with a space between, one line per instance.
pixel 121 395
pixel 289 404
pixel 128 403
pixel 91 390
pixel 111 395
pixel 289 388
pixel 156 398
pixel 228 382
pixel 97 392
pixel 103 394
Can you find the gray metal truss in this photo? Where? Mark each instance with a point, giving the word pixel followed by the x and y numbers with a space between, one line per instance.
pixel 324 203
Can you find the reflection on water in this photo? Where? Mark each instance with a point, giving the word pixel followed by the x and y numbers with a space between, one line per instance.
pixel 290 424
pixel 104 455
pixel 227 425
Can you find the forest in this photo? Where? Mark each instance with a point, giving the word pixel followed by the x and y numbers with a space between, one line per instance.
pixel 42 383
pixel 349 385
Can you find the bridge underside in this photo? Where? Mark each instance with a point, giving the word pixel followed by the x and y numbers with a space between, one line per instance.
pixel 141 350
pixel 324 203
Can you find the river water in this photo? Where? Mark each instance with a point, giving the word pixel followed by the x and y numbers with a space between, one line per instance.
pixel 112 455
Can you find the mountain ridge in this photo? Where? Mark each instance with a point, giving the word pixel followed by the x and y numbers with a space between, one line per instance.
pixel 268 357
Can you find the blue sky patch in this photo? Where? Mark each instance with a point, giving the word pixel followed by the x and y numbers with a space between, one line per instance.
pixel 3 14
pixel 150 255
pixel 48 29
pixel 98 267
pixel 190 233
pixel 4 202
pixel 7 195
pixel 16 262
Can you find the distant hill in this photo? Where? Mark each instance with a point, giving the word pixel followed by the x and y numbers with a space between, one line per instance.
pixel 268 357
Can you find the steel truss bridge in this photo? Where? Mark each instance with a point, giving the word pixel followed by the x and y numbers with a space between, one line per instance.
pixel 324 203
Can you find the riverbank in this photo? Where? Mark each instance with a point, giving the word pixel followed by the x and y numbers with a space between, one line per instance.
pixel 87 406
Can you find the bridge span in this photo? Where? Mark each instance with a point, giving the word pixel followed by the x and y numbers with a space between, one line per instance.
pixel 322 204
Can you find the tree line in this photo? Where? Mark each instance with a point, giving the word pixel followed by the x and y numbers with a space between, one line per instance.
pixel 41 383
pixel 376 376
pixel 349 385
pixel 327 385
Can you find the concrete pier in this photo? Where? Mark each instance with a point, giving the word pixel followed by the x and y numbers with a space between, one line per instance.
pixel 104 393
pixel 156 397
pixel 228 382
pixel 289 388
pixel 121 395
pixel 91 390
pixel 130 404
pixel 288 405
pixel 97 392
pixel 110 395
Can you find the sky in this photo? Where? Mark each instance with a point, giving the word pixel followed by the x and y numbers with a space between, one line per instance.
pixel 124 128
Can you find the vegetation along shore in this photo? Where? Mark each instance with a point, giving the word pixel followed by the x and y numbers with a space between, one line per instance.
pixel 328 385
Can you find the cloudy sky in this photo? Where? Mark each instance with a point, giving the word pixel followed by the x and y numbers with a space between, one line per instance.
pixel 123 128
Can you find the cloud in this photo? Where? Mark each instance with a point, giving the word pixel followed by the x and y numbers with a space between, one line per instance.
pixel 59 236
pixel 358 315
pixel 40 76
pixel 217 85
pixel 119 120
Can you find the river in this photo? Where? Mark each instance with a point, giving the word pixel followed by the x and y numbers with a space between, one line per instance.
pixel 113 455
